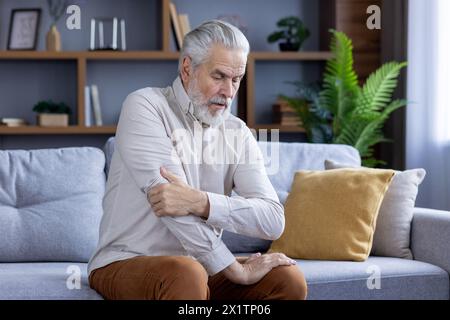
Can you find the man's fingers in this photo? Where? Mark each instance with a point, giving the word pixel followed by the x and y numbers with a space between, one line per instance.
pixel 282 262
pixel 279 259
pixel 169 175
pixel 154 199
pixel 253 256
pixel 158 206
pixel 155 190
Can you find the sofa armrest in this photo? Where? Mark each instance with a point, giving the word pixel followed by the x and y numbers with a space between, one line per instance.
pixel 430 237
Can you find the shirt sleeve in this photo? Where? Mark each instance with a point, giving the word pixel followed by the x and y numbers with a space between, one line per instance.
pixel 144 145
pixel 256 210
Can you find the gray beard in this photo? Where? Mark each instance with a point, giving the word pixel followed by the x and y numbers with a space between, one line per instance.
pixel 201 111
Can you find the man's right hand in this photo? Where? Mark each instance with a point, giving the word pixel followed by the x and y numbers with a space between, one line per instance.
pixel 255 267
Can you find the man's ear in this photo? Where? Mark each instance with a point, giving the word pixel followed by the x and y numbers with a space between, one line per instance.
pixel 186 69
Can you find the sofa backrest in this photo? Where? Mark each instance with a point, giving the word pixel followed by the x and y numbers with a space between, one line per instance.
pixel 50 204
pixel 282 160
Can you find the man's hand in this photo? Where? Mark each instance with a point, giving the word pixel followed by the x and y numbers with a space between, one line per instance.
pixel 250 270
pixel 177 198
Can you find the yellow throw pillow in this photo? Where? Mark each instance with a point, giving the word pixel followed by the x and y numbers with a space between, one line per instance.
pixel 331 215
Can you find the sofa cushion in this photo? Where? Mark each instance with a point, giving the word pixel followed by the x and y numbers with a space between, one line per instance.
pixel 50 204
pixel 45 281
pixel 331 215
pixel 283 159
pixel 399 279
pixel 108 150
pixel 393 230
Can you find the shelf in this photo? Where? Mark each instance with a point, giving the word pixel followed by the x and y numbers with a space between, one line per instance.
pixel 24 130
pixel 37 55
pixel 152 55
pixel 279 127
pixel 89 55
pixel 289 56
pixel 130 55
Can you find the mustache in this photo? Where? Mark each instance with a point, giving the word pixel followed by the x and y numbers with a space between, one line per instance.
pixel 220 100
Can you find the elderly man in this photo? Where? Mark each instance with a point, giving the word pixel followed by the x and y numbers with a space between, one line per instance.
pixel 160 235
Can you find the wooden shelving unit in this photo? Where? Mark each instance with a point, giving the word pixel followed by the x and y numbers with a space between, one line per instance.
pixel 88 55
pixel 271 126
pixel 30 130
pixel 26 130
pixel 291 56
pixel 82 58
pixel 250 85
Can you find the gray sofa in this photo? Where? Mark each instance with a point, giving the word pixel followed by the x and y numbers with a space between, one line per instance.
pixel 50 209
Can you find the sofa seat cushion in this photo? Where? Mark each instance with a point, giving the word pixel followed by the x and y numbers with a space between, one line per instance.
pixel 50 204
pixel 399 279
pixel 46 281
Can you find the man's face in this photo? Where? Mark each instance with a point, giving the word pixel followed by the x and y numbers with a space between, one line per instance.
pixel 213 84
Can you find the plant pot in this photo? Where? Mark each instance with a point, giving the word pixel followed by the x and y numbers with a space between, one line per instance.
pixel 289 46
pixel 53 120
pixel 53 39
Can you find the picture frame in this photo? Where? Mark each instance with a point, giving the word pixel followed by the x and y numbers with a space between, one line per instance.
pixel 23 29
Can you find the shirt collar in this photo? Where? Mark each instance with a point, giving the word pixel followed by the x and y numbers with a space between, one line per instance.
pixel 181 96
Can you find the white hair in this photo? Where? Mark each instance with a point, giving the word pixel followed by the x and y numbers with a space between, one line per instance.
pixel 199 41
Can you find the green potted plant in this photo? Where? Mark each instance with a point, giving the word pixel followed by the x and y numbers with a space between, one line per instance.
pixel 51 114
pixel 343 112
pixel 292 34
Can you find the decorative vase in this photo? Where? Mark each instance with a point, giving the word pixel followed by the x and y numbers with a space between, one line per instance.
pixel 53 39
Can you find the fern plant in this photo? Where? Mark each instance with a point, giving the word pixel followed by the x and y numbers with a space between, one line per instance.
pixel 358 113
pixel 315 120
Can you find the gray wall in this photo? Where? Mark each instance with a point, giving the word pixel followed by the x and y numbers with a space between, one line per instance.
pixel 259 17
pixel 23 83
pixel 142 18
pixel 119 78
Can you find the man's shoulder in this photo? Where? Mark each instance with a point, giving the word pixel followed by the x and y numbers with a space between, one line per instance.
pixel 233 122
pixel 154 96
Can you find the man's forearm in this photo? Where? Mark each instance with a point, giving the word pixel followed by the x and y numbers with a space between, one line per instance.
pixel 254 217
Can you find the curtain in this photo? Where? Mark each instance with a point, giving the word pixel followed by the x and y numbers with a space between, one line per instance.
pixel 428 92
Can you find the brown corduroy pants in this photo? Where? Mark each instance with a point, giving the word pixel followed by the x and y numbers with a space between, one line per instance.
pixel 183 278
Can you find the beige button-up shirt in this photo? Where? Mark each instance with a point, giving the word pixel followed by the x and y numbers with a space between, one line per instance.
pixel 157 128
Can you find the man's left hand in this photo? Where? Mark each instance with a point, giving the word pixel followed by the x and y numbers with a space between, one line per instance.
pixel 177 198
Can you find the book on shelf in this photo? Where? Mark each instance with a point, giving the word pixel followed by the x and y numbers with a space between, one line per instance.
pixel 291 122
pixel 13 122
pixel 96 105
pixel 185 25
pixel 285 115
pixel 87 107
pixel 176 25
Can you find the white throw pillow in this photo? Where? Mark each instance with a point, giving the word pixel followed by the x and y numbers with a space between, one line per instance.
pixel 393 226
